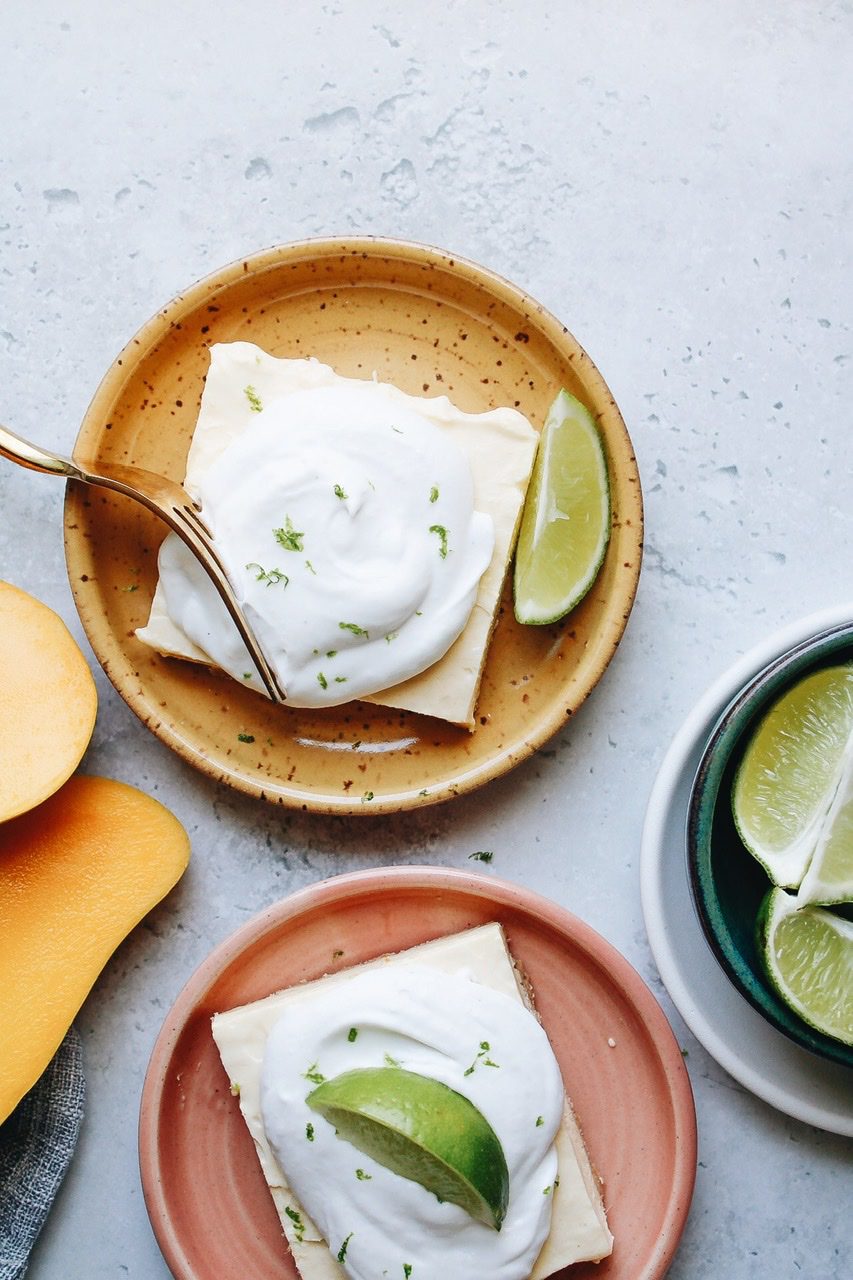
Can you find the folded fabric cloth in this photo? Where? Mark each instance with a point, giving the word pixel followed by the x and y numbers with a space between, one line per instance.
pixel 36 1145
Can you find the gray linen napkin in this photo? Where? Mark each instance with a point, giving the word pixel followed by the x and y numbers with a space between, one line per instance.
pixel 36 1144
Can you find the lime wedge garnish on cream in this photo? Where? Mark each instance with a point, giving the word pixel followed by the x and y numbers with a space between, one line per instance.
pixel 791 771
pixel 422 1130
pixel 565 524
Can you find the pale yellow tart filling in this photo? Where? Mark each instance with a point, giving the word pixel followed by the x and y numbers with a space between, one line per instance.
pixel 467 989
pixel 366 533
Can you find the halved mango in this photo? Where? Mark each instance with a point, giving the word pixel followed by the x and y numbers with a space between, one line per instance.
pixel 47 702
pixel 76 874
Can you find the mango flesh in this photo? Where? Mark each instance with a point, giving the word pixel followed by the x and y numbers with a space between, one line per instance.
pixel 76 875
pixel 48 702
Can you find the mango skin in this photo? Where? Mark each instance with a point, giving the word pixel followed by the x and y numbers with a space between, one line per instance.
pixel 76 875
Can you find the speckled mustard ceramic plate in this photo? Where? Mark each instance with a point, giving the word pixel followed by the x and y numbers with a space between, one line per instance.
pixel 432 324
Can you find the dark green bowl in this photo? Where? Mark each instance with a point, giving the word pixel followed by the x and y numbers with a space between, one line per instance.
pixel 727 883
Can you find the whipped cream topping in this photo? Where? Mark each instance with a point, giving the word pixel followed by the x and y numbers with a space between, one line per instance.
pixel 345 518
pixel 435 1024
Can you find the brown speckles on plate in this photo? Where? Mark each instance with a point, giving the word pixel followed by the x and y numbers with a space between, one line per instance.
pixel 420 318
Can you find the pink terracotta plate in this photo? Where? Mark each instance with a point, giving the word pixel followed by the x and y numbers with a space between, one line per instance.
pixel 432 324
pixel 206 1196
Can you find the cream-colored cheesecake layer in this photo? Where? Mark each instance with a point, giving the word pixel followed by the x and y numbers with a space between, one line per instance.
pixel 579 1230
pixel 500 446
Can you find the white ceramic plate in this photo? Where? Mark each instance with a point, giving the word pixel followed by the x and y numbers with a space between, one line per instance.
pixel 758 1056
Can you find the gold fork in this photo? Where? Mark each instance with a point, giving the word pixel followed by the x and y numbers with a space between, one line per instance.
pixel 165 499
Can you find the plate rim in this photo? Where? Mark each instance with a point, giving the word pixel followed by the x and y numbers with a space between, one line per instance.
pixel 465 778
pixel 426 879
pixel 654 847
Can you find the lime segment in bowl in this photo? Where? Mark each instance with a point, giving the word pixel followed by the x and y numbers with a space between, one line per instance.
pixel 422 1130
pixel 791 772
pixel 565 525
pixel 829 879
pixel 808 955
pixel 728 882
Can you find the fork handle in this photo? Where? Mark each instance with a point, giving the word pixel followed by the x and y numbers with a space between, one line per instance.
pixel 35 458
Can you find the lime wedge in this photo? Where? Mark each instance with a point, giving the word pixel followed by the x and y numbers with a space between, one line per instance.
pixel 808 955
pixel 423 1130
pixel 829 878
pixel 790 773
pixel 565 525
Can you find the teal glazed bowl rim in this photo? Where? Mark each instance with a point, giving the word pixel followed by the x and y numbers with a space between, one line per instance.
pixel 727 884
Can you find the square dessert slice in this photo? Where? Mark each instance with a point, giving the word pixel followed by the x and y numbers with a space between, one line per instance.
pixel 500 445
pixel 579 1230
